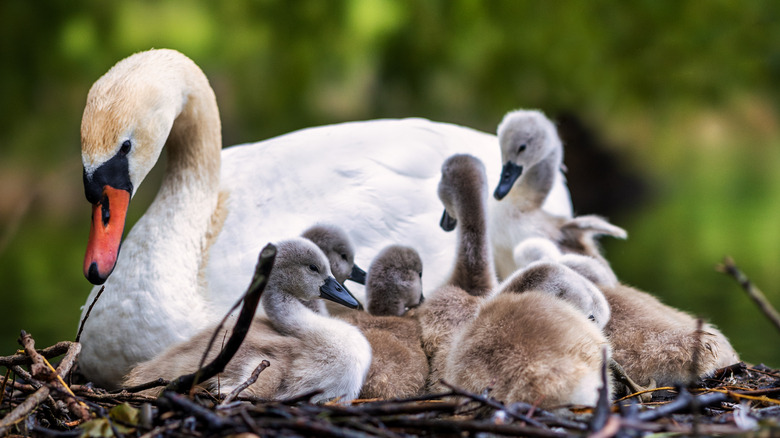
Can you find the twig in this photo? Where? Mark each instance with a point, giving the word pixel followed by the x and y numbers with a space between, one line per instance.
pixel 23 359
pixel 758 297
pixel 683 401
pixel 38 367
pixel 183 403
pixel 459 426
pixel 138 388
pixel 20 412
pixel 252 379
pixel 602 412
pixel 493 404
pixel 5 383
pixel 89 310
pixel 251 299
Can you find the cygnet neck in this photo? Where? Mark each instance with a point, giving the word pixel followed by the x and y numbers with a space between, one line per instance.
pixel 473 267
pixel 536 182
pixel 288 315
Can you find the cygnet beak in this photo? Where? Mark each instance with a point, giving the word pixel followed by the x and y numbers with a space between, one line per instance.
pixel 509 174
pixel 337 293
pixel 447 222
pixel 357 275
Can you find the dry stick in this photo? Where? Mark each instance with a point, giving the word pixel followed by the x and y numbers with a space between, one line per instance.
pixel 602 412
pixel 251 299
pixel 182 403
pixel 23 359
pixel 492 404
pixel 728 267
pixel 42 367
pixel 142 386
pixel 252 379
pixel 89 310
pixel 20 412
pixel 5 383
pixel 683 401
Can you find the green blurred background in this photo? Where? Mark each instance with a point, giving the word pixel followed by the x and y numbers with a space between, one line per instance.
pixel 669 110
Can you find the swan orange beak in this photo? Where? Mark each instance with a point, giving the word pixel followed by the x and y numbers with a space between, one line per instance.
pixel 105 235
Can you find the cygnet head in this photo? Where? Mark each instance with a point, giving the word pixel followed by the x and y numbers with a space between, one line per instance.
pixel 394 282
pixel 563 282
pixel 463 185
pixel 338 248
pixel 526 138
pixel 302 271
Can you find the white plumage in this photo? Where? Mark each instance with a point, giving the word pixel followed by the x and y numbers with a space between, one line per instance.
pixel 193 252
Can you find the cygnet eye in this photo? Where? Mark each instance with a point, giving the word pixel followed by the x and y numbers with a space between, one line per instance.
pixel 125 149
pixel 521 148
pixel 344 257
pixel 314 268
pixel 420 274
pixel 592 318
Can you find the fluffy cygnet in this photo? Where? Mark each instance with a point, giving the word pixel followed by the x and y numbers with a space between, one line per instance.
pixel 653 342
pixel 463 190
pixel 307 351
pixel 398 364
pixel 338 248
pixel 533 156
pixel 537 341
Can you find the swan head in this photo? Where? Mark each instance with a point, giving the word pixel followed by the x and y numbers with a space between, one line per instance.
pixel 339 250
pixel 127 119
pixel 563 282
pixel 526 137
pixel 462 176
pixel 394 283
pixel 302 271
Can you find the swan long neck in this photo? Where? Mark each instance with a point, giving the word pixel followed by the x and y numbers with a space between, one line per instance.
pixel 474 270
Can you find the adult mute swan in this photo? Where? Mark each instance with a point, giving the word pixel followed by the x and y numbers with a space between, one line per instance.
pixel 193 252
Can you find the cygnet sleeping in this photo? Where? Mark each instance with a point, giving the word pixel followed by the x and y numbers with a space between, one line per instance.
pixel 399 366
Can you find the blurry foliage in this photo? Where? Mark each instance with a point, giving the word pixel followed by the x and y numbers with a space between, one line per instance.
pixel 682 92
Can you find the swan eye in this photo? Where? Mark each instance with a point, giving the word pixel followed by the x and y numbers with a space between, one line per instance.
pixel 125 149
pixel 314 268
pixel 521 148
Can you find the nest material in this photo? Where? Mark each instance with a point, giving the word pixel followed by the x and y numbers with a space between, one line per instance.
pixel 36 400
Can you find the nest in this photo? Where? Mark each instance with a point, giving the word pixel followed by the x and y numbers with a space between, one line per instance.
pixel 39 398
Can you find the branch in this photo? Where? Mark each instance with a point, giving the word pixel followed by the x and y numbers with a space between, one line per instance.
pixel 602 412
pixel 89 310
pixel 728 267
pixel 252 379
pixel 251 299
pixel 48 352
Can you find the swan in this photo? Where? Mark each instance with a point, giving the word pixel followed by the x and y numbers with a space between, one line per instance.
pixel 463 189
pixel 191 255
pixel 537 341
pixel 653 342
pixel 307 351
pixel 338 248
pixel 532 156
pixel 399 366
